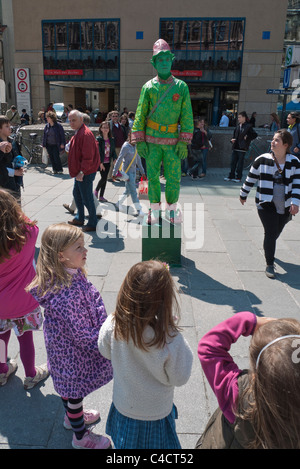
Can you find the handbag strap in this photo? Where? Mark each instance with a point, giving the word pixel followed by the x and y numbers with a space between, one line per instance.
pixel 161 99
pixel 131 161
pixel 276 162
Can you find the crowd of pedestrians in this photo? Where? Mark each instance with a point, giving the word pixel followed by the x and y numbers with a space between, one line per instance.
pixel 140 345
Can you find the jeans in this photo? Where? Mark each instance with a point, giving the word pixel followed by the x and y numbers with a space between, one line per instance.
pixel 201 160
pixel 83 195
pixel 273 224
pixel 54 157
pixel 237 164
pixel 130 187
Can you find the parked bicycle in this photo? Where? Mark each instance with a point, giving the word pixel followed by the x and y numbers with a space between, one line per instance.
pixel 257 147
pixel 32 145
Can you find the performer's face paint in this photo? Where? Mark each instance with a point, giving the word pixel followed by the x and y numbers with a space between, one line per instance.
pixel 163 63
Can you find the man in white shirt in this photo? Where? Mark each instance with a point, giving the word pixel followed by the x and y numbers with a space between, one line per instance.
pixel 224 122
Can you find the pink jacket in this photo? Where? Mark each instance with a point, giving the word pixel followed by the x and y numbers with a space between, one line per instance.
pixel 15 274
pixel 220 370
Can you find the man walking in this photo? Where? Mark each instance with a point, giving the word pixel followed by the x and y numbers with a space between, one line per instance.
pixel 83 162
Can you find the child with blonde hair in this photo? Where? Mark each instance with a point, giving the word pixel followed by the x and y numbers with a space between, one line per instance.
pixel 149 357
pixel 259 407
pixel 18 310
pixel 74 313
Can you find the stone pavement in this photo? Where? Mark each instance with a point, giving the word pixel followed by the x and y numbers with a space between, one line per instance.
pixel 222 273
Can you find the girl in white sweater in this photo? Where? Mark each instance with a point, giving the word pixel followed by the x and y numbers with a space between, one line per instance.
pixel 149 358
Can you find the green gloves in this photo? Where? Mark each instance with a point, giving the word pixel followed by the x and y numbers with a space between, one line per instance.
pixel 181 150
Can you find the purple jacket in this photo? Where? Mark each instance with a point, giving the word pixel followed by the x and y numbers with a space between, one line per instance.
pixel 219 368
pixel 73 318
pixel 59 133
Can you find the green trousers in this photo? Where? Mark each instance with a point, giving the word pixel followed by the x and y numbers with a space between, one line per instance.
pixel 172 172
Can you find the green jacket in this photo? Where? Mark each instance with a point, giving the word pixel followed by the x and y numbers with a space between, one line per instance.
pixel 175 108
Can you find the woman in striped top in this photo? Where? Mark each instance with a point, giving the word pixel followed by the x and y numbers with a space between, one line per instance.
pixel 278 191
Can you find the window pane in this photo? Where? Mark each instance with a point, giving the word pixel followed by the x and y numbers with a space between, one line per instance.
pixel 61 36
pixel 166 32
pixel 48 36
pixel 99 35
pixel 74 36
pixel 222 35
pixel 86 35
pixel 180 35
pixel 208 35
pixel 236 35
pixel 112 35
pixel 194 35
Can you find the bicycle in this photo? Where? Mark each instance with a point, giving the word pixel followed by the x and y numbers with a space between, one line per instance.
pixel 257 147
pixel 34 150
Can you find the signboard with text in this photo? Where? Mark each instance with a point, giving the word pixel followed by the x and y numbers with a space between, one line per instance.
pixel 23 95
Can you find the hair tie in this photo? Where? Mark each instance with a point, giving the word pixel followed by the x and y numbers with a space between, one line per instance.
pixel 273 342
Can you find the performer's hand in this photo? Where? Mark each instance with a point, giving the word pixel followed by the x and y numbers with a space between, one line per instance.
pixel 181 150
pixel 142 149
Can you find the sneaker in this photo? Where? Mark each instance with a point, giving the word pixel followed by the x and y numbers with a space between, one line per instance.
pixel 270 272
pixel 228 179
pixel 96 193
pixel 12 367
pixel 194 177
pixel 67 207
pixel 183 174
pixel 41 374
pixel 201 176
pixel 91 441
pixel 237 180
pixel 89 416
pixel 102 199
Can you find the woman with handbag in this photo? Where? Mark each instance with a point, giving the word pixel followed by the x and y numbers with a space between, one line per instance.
pixel 130 160
pixel 278 195
pixel 54 141
pixel 107 155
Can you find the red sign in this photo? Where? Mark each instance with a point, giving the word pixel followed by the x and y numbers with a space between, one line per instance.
pixel 63 72
pixel 22 86
pixel 187 73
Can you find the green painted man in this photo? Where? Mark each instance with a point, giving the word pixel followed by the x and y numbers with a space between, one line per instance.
pixel 162 129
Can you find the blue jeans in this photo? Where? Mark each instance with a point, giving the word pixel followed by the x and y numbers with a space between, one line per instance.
pixel 83 195
pixel 130 187
pixel 200 157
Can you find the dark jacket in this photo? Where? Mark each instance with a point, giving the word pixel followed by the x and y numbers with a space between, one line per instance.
pixel 221 434
pixel 59 132
pixel 200 140
pixel 112 153
pixel 247 131
pixel 6 159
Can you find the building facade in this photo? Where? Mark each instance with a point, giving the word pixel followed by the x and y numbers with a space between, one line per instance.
pixel 229 53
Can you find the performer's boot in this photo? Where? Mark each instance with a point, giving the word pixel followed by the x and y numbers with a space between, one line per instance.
pixel 173 214
pixel 154 214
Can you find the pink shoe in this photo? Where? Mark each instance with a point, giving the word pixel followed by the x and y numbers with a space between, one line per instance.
pixel 91 441
pixel 102 199
pixel 96 193
pixel 89 416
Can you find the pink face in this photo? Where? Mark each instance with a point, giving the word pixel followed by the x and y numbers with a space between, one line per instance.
pixel 74 257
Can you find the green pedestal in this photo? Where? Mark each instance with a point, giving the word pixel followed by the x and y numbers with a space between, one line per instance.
pixel 162 242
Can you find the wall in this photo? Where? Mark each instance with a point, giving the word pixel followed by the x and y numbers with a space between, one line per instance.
pixel 262 58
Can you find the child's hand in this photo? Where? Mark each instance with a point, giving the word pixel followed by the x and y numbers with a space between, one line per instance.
pixel 261 321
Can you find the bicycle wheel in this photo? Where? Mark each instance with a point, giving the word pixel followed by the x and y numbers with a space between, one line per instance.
pixel 36 154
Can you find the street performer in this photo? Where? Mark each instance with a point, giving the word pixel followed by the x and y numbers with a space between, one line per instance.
pixel 162 129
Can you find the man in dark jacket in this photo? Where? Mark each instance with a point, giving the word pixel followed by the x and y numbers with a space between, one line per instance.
pixel 242 137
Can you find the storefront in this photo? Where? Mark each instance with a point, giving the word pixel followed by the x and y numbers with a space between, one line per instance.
pixel 208 56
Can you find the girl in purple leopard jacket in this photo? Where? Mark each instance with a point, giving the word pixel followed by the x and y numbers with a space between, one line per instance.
pixel 74 313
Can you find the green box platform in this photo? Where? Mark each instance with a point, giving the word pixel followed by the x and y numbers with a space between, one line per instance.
pixel 162 242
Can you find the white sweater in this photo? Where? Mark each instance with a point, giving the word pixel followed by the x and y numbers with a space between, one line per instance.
pixel 144 382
